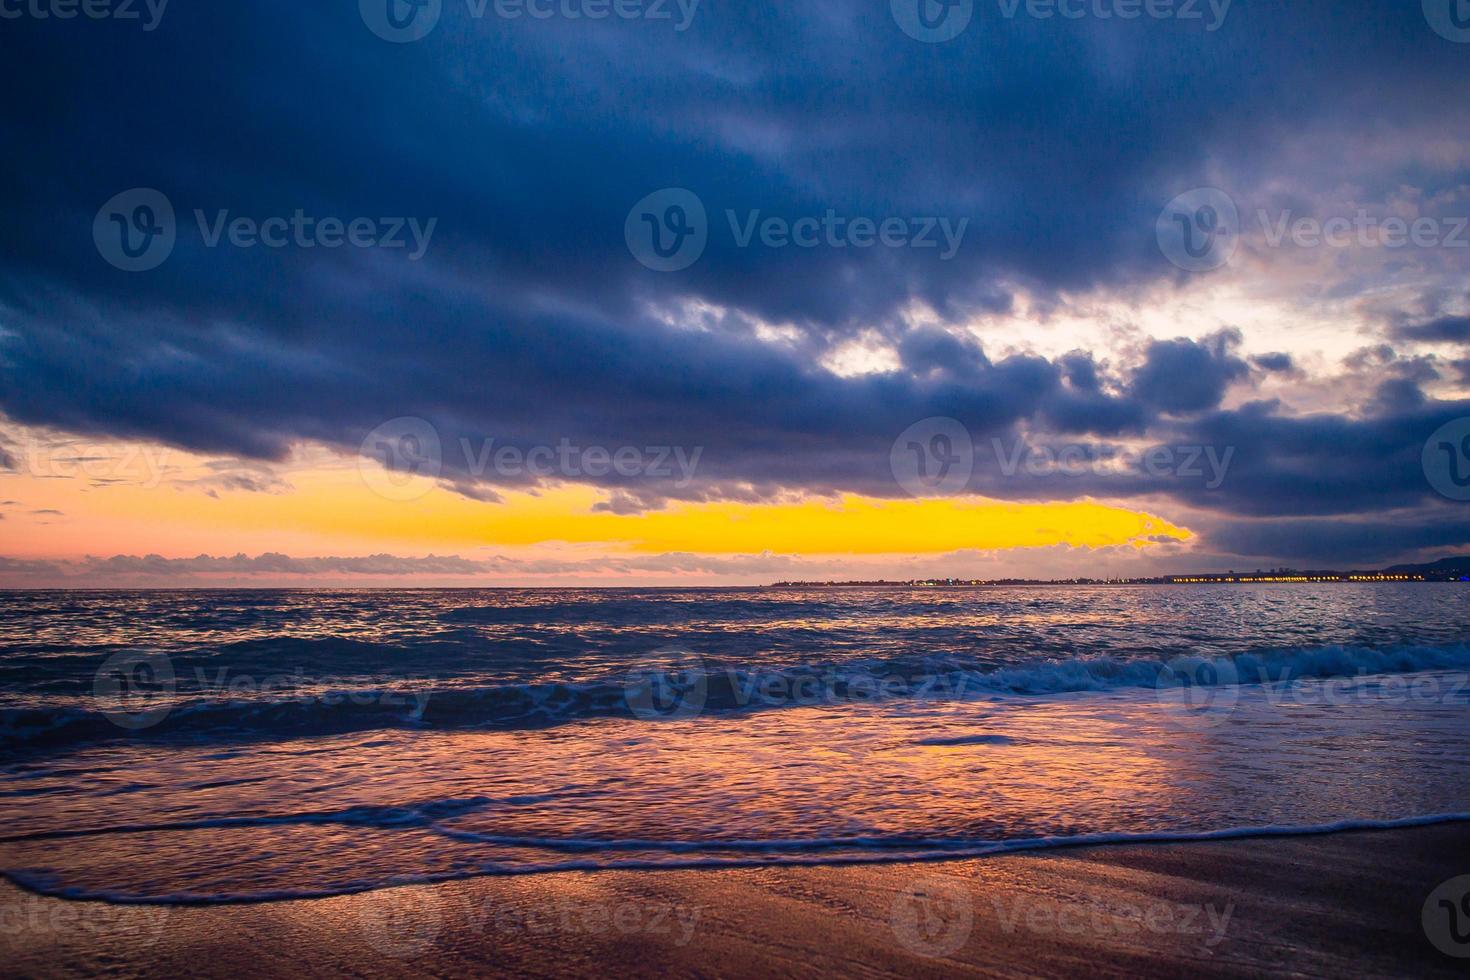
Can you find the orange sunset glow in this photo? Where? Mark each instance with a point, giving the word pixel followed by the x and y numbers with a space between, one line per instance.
pixel 105 499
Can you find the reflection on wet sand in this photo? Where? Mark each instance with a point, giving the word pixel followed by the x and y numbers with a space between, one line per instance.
pixel 866 781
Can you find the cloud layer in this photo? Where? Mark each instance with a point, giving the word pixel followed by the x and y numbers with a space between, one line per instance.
pixel 528 321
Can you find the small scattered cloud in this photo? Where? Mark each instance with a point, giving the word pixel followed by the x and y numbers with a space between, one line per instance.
pixel 1274 363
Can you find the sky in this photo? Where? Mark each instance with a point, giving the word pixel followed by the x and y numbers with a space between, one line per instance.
pixel 687 292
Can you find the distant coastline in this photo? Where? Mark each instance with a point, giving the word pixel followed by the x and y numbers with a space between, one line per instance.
pixel 1456 569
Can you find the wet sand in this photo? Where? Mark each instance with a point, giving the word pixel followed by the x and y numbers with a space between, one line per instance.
pixel 1347 904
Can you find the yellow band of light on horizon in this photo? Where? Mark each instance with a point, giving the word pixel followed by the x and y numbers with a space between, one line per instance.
pixel 331 509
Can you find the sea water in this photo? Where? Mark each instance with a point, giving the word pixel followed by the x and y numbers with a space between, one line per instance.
pixel 219 746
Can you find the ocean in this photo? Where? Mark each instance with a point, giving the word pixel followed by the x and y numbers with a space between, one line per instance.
pixel 228 746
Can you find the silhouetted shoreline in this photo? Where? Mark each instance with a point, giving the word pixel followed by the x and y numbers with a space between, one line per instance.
pixel 1455 569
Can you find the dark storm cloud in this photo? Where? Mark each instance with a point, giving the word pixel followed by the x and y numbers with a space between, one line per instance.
pixel 1083 405
pixel 1249 461
pixel 1276 363
pixel 1339 543
pixel 528 321
pixel 926 350
pixel 1318 464
pixel 1183 376
pixel 1445 329
pixel 531 139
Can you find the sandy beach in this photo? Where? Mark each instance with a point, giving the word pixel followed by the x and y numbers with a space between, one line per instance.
pixel 1346 904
